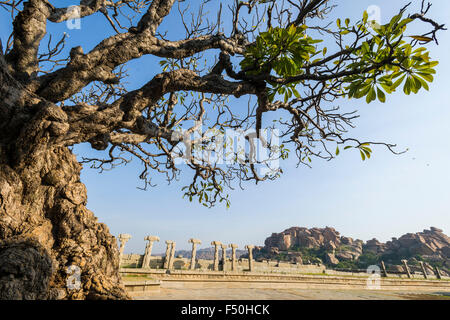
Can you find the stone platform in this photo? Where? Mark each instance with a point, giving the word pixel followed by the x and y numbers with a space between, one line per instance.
pixel 137 284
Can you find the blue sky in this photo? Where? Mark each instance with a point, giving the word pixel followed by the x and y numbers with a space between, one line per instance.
pixel 384 197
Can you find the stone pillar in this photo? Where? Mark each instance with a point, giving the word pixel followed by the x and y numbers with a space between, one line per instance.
pixel 383 267
pixel 123 238
pixel 405 264
pixel 172 255
pixel 424 271
pixel 148 250
pixel 194 251
pixel 224 256
pixel 167 256
pixel 216 245
pixel 438 273
pixel 250 256
pixel 233 256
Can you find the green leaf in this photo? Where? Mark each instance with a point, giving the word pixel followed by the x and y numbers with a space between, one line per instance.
pixel 398 82
pixel 404 22
pixel 367 149
pixel 424 83
pixel 365 16
pixel 408 86
pixel 296 94
pixel 422 38
pixel 362 92
pixel 417 85
pixel 381 95
pixel 427 77
pixel 371 96
pixel 395 20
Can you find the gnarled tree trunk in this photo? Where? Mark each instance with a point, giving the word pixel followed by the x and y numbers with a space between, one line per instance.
pixel 43 213
pixel 45 226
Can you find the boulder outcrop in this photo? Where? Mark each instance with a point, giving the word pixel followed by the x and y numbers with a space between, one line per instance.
pixel 303 237
pixel 431 246
pixel 431 243
pixel 328 238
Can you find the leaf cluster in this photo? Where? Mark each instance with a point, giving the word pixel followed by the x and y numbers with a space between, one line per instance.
pixel 389 62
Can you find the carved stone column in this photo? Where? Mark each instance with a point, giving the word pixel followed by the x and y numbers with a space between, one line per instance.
pixel 250 256
pixel 168 252
pixel 233 256
pixel 425 275
pixel 148 250
pixel 194 242
pixel 405 264
pixel 216 245
pixel 172 255
pixel 224 256
pixel 438 272
pixel 123 238
pixel 383 267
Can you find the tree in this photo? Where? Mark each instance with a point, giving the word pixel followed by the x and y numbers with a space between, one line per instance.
pixel 268 51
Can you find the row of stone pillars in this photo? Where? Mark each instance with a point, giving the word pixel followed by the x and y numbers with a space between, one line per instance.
pixel 408 271
pixel 424 270
pixel 170 253
pixel 218 244
pixel 123 238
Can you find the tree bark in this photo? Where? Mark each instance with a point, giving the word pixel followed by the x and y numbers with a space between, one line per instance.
pixel 46 227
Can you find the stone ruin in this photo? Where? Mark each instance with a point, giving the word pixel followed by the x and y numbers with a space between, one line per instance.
pixel 233 264
pixel 169 257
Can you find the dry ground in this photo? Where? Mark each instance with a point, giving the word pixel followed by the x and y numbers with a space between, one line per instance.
pixel 287 294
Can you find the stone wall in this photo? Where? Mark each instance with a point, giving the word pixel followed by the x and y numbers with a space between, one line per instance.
pixel 188 279
pixel 131 260
pixel 135 261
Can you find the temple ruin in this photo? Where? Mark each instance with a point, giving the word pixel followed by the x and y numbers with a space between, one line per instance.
pixel 222 263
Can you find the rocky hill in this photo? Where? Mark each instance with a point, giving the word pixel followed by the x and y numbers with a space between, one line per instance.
pixel 328 246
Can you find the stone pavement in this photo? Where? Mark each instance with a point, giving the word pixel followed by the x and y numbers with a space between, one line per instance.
pixel 285 294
